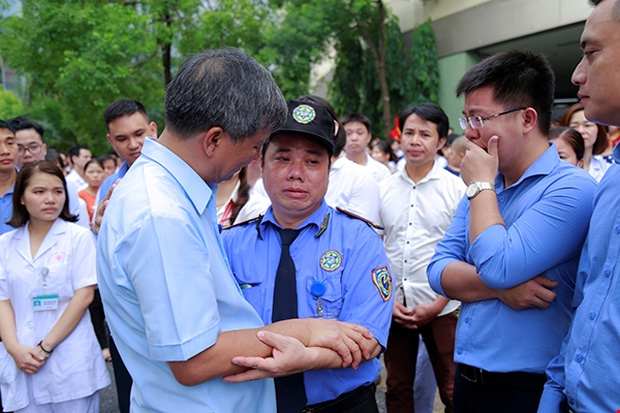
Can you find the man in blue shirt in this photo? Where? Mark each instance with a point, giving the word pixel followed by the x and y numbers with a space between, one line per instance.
pixel 341 270
pixel 585 376
pixel 519 231
pixel 128 124
pixel 8 174
pixel 177 315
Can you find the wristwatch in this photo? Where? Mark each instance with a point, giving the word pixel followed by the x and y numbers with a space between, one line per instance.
pixel 475 187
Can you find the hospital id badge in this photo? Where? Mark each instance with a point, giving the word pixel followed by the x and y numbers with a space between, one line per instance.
pixel 45 302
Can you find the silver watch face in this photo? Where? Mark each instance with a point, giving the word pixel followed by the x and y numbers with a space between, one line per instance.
pixel 472 189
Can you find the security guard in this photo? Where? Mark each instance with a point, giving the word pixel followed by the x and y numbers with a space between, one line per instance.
pixel 339 269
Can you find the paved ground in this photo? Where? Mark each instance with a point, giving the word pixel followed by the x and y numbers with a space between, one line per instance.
pixel 109 402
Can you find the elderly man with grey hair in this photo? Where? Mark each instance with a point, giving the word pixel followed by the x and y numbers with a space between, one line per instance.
pixel 173 306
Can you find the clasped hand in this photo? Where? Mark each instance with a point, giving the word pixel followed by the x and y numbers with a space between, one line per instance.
pixel 349 343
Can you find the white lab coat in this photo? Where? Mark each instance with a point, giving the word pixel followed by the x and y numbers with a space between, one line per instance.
pixel 76 368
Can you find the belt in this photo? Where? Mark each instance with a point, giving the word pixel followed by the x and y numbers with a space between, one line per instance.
pixel 345 401
pixel 519 379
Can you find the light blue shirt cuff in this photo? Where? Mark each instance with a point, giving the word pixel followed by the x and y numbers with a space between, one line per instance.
pixel 185 351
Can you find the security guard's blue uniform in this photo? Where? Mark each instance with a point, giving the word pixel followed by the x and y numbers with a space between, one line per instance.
pixel 342 273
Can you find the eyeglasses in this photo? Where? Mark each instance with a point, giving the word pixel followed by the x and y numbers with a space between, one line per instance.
pixel 33 148
pixel 477 122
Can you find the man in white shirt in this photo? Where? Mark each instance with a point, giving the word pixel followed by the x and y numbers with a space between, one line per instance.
pixel 78 156
pixel 417 205
pixel 357 129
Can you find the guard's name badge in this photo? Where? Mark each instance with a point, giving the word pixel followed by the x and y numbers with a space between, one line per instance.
pixel 45 302
pixel 383 281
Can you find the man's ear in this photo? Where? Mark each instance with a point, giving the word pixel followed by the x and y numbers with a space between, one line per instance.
pixel 153 129
pixel 212 140
pixel 441 143
pixel 530 118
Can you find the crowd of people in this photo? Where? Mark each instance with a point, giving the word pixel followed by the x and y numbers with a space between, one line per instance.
pixel 261 254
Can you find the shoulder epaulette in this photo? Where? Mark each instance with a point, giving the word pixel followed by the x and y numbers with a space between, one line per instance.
pixel 352 215
pixel 259 218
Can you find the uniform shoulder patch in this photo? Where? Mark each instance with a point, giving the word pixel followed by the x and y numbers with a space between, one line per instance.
pixel 258 218
pixel 383 281
pixel 361 218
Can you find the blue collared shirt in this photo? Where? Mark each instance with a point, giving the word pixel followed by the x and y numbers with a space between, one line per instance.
pixel 167 288
pixel 585 373
pixel 109 181
pixel 6 211
pixel 546 217
pixel 342 254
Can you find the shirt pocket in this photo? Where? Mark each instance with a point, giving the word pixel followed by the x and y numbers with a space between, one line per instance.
pixel 58 281
pixel 253 290
pixel 329 303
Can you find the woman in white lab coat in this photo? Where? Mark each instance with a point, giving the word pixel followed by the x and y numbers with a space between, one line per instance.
pixel 49 356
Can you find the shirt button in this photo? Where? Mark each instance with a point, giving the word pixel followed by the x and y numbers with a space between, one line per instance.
pixel 466 320
pixel 31 325
pixel 411 205
pixel 607 273
pixel 407 242
pixel 592 315
pixel 579 358
pixel 411 223
pixel 459 351
pixel 618 229
pixel 405 260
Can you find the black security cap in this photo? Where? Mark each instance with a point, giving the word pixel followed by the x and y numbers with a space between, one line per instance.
pixel 309 119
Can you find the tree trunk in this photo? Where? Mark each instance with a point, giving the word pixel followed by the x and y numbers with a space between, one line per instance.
pixel 378 58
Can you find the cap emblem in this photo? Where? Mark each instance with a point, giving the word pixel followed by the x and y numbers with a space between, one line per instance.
pixel 304 114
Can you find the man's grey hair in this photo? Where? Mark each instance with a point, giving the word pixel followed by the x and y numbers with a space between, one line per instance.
pixel 224 88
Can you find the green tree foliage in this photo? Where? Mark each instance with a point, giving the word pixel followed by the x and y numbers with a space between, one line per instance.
pixel 355 86
pixel 79 55
pixel 424 68
pixel 10 105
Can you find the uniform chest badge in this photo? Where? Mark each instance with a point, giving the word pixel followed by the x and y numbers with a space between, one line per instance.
pixel 383 280
pixel 331 260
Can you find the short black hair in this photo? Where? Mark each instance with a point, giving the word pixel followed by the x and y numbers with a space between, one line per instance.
pixel 7 126
pixel 22 123
pixel 123 107
pixel 430 112
pixel 519 79
pixel 75 151
pixel 356 117
pixel 224 88
pixel 20 214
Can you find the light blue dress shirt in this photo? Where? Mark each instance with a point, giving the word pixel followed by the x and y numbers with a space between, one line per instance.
pixel 343 255
pixel 6 211
pixel 587 371
pixel 546 214
pixel 167 288
pixel 109 181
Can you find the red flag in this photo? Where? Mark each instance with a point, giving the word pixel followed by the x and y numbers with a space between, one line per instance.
pixel 395 132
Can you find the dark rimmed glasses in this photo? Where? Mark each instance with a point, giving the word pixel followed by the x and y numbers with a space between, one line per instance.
pixel 477 122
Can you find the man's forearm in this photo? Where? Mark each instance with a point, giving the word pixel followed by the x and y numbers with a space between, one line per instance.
pixel 216 360
pixel 460 281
